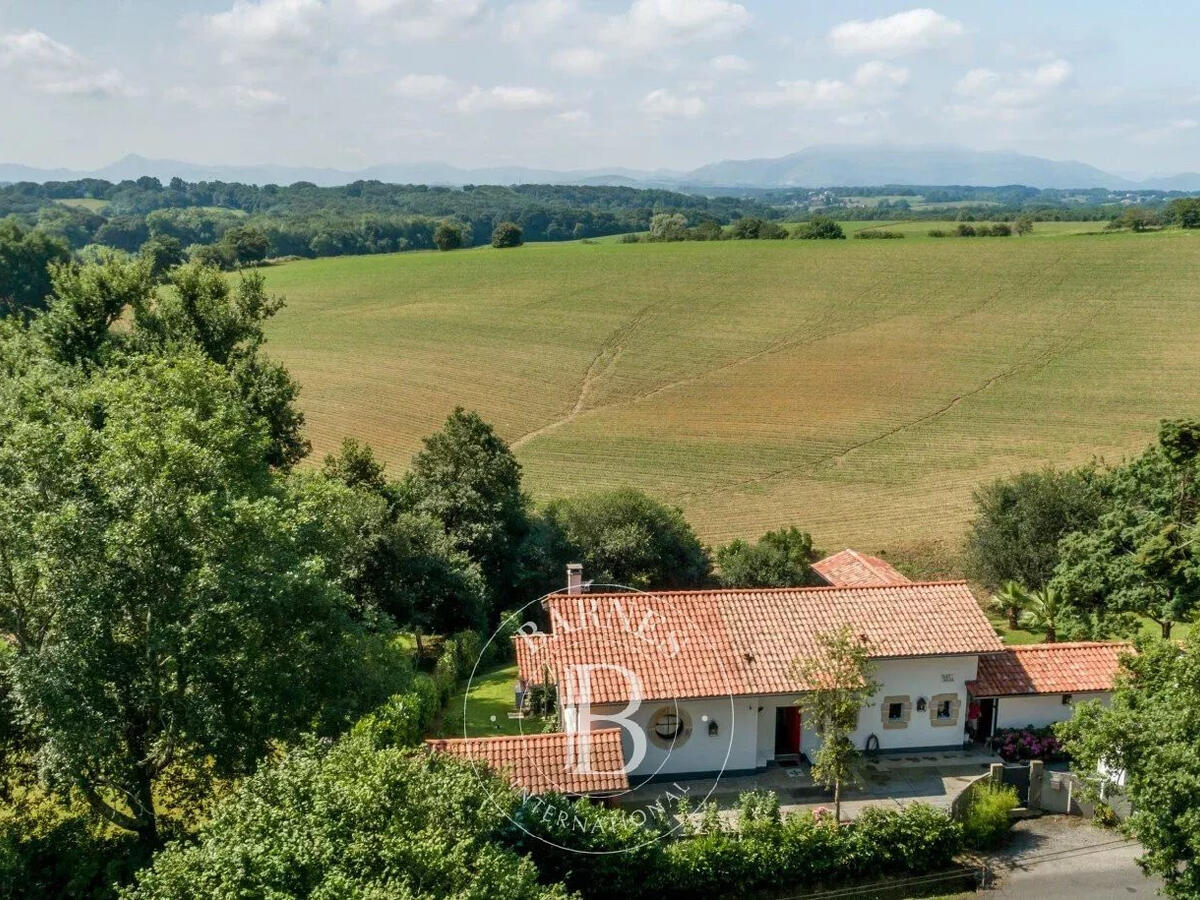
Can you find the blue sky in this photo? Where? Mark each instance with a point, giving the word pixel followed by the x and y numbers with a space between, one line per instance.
pixel 572 83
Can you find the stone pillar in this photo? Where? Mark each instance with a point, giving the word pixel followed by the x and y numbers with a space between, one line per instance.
pixel 996 773
pixel 1037 775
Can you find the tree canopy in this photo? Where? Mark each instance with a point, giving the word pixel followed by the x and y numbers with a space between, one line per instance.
pixel 1140 557
pixel 1151 732
pixel 780 558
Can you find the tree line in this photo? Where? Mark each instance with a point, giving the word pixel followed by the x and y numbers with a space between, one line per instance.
pixel 364 217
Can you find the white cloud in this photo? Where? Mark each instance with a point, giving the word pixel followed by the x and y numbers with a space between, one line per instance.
pixel 578 60
pixel 505 97
pixel 658 23
pixel 905 32
pixel 266 25
pixel 993 94
pixel 574 117
pixel 257 99
pixel 293 30
pixel 423 87
pixel 730 63
pixel 535 18
pixel 662 103
pixel 872 82
pixel 51 67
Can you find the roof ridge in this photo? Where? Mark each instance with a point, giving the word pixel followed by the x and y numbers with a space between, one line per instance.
pixel 906 585
pixel 518 737
pixel 1066 645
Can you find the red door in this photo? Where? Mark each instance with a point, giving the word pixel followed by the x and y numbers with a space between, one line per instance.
pixel 787 731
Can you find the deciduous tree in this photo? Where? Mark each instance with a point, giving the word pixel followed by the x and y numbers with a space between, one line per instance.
pixel 839 680
pixel 780 558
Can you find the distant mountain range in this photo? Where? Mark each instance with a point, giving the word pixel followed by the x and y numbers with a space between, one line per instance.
pixel 815 167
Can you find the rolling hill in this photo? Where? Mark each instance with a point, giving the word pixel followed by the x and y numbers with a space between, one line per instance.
pixel 859 389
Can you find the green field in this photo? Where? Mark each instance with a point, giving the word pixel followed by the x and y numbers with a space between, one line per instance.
pixel 859 389
pixel 96 206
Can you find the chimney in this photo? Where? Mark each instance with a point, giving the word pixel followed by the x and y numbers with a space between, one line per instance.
pixel 574 578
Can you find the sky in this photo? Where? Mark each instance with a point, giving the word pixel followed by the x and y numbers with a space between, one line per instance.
pixel 570 84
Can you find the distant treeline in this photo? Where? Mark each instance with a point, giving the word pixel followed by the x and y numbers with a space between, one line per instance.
pixel 365 217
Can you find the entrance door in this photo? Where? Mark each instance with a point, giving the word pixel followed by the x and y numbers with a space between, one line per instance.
pixel 787 731
pixel 987 715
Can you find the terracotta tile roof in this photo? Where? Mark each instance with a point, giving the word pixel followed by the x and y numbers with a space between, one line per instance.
pixel 850 568
pixel 541 763
pixel 741 642
pixel 1068 668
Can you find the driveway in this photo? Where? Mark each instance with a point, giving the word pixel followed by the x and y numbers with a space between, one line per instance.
pixel 1066 857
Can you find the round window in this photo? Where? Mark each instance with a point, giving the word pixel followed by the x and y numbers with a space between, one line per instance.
pixel 670 727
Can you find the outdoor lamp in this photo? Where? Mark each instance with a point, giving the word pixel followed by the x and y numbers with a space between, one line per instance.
pixel 920 704
pixel 712 729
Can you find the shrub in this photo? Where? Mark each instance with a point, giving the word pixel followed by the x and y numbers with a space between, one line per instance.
pixel 450 235
pixel 986 819
pixel 446 671
pixel 965 230
pixel 1001 229
pixel 507 234
pixel 918 838
pixel 878 234
pixel 819 228
pixel 631 238
pixel 1029 743
pixel 405 719
pixel 937 232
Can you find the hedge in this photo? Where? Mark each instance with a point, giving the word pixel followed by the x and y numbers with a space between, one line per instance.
pixel 758 854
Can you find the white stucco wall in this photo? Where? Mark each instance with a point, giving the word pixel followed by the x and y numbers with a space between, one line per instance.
pixel 746 738
pixel 1039 710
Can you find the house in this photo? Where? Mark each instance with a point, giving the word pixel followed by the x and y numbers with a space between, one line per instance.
pixel 702 682
pixel 848 568
pixel 544 763
pixel 1037 684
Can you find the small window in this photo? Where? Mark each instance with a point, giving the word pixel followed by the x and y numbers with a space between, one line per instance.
pixel 668 726
pixel 1066 699
pixel 895 711
pixel 944 709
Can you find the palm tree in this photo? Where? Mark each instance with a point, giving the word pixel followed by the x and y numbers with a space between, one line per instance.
pixel 1009 601
pixel 1046 610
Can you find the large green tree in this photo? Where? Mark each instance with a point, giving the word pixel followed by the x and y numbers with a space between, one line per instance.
pixel 1151 732
pixel 780 558
pixel 354 822
pixel 1142 556
pixel 172 607
pixel 467 478
pixel 1020 520
pixel 405 565
pixel 628 538
pixel 26 257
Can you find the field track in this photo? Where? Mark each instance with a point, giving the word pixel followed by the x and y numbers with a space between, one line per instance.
pixel 859 389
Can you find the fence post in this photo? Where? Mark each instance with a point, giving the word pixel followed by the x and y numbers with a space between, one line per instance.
pixel 996 773
pixel 1037 773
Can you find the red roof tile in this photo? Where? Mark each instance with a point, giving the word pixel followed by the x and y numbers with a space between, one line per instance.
pixel 850 568
pixel 740 642
pixel 1068 668
pixel 541 763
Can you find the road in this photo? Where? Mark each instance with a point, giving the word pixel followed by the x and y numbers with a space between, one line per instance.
pixel 1066 858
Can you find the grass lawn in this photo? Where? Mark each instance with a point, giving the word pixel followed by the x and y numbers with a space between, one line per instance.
pixel 488 703
pixel 1020 636
pixel 858 389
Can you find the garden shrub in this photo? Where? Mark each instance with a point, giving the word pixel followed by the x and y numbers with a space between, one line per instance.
pixel 404 719
pixel 446 671
pixel 468 646
pixel 1015 744
pixel 986 819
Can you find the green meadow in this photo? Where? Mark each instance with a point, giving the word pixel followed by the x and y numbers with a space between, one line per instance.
pixel 860 389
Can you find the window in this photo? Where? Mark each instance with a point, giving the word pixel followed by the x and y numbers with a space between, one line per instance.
pixel 668 726
pixel 895 711
pixel 943 709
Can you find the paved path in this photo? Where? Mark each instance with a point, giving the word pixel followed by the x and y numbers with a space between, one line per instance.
pixel 1065 857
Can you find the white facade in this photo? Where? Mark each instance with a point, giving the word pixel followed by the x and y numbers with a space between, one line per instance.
pixel 1040 710
pixel 745 727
